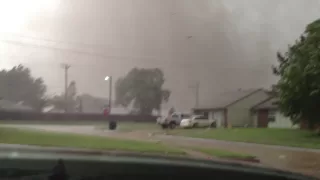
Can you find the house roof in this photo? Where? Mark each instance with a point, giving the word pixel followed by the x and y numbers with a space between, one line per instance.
pixel 270 103
pixel 9 105
pixel 228 98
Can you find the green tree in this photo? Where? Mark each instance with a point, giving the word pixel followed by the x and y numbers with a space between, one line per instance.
pixel 17 84
pixel 299 70
pixel 143 88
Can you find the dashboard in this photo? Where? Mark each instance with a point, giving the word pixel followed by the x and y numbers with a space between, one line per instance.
pixel 53 165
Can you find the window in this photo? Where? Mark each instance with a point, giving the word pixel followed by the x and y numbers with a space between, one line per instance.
pixel 272 116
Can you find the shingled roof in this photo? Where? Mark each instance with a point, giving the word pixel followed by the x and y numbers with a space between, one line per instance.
pixel 228 98
pixel 270 103
pixel 9 105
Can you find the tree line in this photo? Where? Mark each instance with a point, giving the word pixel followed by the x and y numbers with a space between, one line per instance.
pixel 141 88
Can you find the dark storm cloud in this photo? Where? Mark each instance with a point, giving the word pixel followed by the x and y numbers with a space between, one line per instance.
pixel 224 45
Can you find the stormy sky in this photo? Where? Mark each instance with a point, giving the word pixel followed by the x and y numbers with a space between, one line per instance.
pixel 222 44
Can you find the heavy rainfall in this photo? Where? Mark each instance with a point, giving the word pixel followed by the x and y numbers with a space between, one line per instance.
pixel 238 68
pixel 223 45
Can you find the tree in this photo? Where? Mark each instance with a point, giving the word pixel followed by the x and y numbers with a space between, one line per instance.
pixel 17 84
pixel 143 88
pixel 299 70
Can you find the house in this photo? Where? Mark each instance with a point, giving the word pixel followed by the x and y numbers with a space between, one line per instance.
pixel 266 114
pixel 92 104
pixel 13 106
pixel 233 108
pixel 52 109
pixel 119 110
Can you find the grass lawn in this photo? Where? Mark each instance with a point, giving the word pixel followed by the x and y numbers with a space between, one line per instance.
pixel 221 153
pixel 17 136
pixel 284 137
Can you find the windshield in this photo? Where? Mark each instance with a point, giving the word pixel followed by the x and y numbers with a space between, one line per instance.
pixel 73 71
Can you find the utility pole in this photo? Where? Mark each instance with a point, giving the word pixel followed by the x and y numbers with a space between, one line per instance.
pixel 197 94
pixel 196 87
pixel 109 78
pixel 110 93
pixel 66 68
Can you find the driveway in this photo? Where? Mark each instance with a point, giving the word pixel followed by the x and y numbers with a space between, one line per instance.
pixel 306 161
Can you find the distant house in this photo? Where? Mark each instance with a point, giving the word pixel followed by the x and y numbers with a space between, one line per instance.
pixel 267 114
pixel 233 108
pixel 13 106
pixel 91 104
pixel 119 110
pixel 52 109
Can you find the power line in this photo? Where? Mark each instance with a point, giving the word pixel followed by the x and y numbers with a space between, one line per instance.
pixel 55 41
pixel 68 43
pixel 98 55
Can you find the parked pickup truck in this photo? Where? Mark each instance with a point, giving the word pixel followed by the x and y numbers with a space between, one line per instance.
pixel 173 120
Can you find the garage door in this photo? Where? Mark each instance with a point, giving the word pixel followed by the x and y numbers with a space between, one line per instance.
pixel 219 117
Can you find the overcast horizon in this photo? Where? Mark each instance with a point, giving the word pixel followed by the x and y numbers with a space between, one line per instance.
pixel 223 44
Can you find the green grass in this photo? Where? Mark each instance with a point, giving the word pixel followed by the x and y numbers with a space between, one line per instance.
pixel 284 137
pixel 221 153
pixel 17 136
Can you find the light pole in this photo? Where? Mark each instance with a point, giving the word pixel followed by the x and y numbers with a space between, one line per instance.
pixel 109 78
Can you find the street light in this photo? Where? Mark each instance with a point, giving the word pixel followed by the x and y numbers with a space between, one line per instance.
pixel 109 78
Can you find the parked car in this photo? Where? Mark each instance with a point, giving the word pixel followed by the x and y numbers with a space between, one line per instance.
pixel 172 120
pixel 197 121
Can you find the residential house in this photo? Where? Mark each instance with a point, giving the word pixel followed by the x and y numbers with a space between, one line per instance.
pixel 233 108
pixel 52 109
pixel 13 106
pixel 92 104
pixel 266 114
